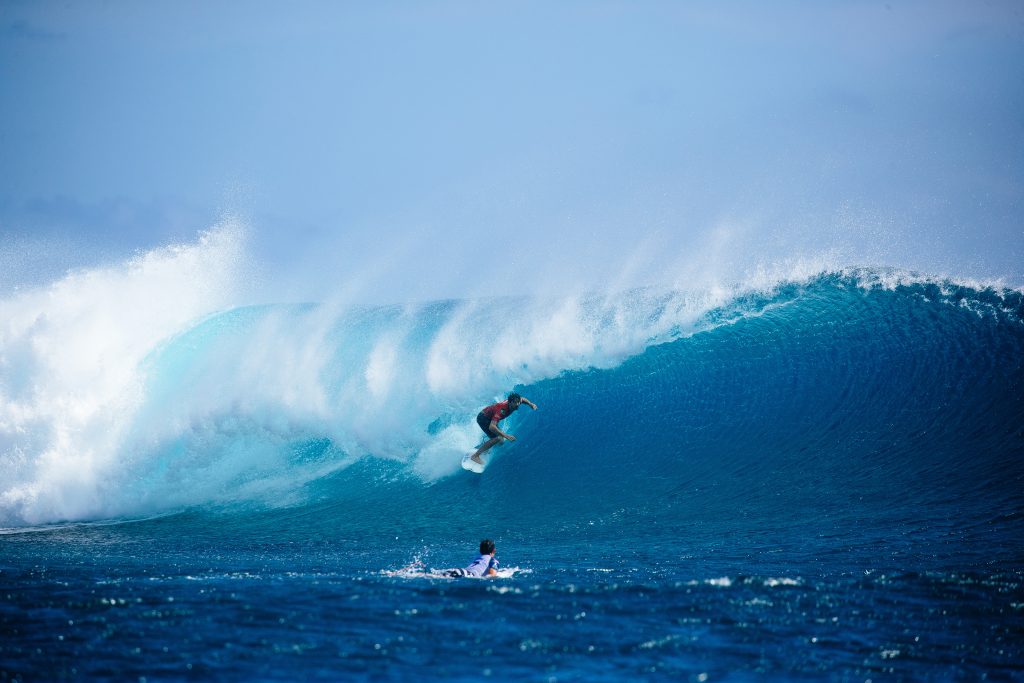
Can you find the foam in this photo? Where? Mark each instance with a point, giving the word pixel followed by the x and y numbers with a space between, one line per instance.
pixel 70 354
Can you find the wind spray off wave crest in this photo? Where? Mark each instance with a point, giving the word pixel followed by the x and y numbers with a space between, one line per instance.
pixel 70 379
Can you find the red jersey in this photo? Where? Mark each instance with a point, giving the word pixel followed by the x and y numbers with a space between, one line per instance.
pixel 499 411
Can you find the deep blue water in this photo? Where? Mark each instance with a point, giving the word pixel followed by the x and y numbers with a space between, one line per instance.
pixel 818 480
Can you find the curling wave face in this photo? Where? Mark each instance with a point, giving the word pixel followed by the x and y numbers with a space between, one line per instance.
pixel 139 390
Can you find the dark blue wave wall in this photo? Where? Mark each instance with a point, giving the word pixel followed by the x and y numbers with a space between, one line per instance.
pixel 881 393
pixel 838 410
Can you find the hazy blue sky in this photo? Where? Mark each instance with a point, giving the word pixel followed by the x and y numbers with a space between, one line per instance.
pixel 439 148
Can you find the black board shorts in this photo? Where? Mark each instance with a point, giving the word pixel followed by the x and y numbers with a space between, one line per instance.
pixel 485 424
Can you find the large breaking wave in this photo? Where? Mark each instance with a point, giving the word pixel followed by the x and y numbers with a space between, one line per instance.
pixel 140 389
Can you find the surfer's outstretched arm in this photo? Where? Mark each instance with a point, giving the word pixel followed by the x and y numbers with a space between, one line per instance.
pixel 529 402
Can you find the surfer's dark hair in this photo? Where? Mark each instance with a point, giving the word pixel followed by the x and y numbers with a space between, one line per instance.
pixel 515 397
pixel 486 546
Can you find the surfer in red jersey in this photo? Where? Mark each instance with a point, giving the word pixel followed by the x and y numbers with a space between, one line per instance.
pixel 489 418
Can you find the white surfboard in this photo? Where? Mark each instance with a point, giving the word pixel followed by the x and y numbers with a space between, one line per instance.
pixel 468 464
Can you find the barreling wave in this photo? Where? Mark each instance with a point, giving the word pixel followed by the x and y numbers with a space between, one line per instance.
pixel 814 393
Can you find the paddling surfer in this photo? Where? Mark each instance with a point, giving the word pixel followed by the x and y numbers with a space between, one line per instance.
pixel 485 564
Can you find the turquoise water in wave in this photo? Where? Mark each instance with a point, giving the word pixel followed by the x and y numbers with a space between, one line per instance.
pixel 819 478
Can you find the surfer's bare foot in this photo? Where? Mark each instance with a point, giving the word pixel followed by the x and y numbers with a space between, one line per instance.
pixel 477 460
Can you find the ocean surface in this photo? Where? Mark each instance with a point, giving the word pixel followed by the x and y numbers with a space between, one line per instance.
pixel 817 477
